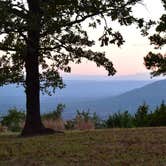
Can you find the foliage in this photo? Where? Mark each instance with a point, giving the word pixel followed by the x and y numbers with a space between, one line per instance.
pixel 94 118
pixel 56 114
pixel 70 124
pixel 98 122
pixel 153 61
pixel 53 120
pixel 83 120
pixel 83 114
pixel 141 116
pixel 13 119
pixel 3 129
pixel 60 37
pixel 158 117
pixel 120 119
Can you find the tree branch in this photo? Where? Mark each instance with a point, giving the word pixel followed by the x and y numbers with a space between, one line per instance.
pixel 4 48
pixel 18 13
pixel 13 28
pixel 15 11
pixel 77 21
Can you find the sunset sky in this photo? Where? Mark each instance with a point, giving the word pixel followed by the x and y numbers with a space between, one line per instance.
pixel 129 58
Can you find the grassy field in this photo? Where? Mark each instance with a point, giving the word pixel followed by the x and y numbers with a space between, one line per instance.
pixel 112 147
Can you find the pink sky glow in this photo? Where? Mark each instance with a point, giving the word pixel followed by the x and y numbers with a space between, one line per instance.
pixel 128 59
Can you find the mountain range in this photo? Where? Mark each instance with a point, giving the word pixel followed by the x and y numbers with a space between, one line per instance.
pixel 101 96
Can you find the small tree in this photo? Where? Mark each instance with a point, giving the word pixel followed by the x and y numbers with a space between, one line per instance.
pixel 158 117
pixel 41 37
pixel 141 116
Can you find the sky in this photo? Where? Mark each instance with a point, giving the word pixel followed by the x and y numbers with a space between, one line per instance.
pixel 128 59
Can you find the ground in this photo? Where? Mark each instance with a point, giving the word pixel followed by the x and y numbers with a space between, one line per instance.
pixel 112 147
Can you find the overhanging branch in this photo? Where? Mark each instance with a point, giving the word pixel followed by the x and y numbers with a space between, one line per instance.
pixel 5 48
pixel 77 21
pixel 10 9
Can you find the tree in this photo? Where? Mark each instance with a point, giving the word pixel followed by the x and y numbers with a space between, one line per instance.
pixel 120 119
pixel 141 116
pixel 42 37
pixel 153 61
pixel 158 117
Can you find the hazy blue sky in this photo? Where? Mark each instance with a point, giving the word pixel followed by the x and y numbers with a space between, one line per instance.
pixel 129 58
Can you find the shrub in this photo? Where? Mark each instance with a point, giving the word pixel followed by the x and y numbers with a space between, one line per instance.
pixel 13 119
pixel 98 123
pixel 3 128
pixel 70 124
pixel 55 114
pixel 84 120
pixel 54 119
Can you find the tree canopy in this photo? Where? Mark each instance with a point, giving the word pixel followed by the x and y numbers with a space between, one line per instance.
pixel 157 61
pixel 62 38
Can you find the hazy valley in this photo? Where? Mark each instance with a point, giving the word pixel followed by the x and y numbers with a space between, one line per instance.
pixel 98 95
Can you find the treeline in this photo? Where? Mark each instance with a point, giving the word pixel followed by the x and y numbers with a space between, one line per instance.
pixel 143 117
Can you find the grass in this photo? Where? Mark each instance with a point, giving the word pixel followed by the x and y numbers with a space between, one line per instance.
pixel 112 147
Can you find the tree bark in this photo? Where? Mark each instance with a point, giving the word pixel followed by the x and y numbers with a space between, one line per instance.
pixel 33 123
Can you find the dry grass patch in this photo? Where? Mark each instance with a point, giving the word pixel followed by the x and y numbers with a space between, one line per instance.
pixel 112 147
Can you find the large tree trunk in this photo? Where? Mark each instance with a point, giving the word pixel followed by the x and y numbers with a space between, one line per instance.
pixel 33 124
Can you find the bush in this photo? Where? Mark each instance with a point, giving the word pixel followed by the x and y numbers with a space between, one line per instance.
pixel 84 121
pixel 99 124
pixel 70 124
pixel 13 119
pixel 3 128
pixel 54 119
pixel 56 114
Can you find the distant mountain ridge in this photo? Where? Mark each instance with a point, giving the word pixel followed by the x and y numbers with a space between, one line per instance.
pixel 75 91
pixel 153 94
pixel 102 97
